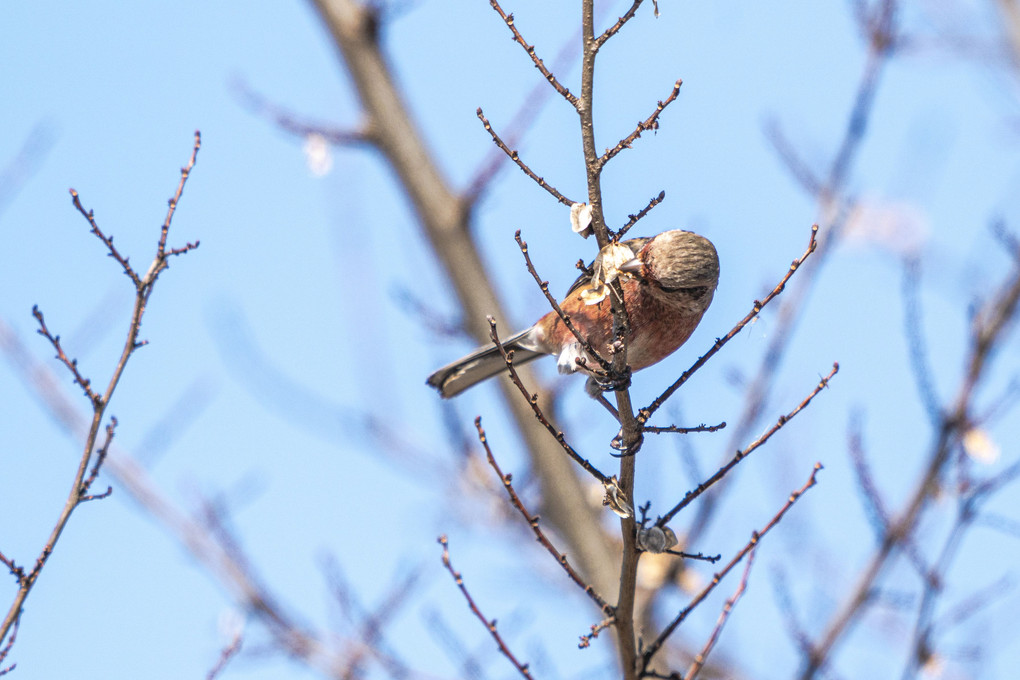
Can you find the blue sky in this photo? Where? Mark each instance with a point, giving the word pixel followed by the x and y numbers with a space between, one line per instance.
pixel 271 342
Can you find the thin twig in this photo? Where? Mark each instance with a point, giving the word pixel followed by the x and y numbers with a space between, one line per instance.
pixel 633 219
pixel 740 455
pixel 71 364
pixel 533 520
pixel 228 652
pixel 107 240
pixel 612 30
pixel 684 430
pixel 522 668
pixel 515 157
pixel 532 399
pixel 596 628
pixel 650 123
pixel 508 19
pixel 544 286
pixel 161 251
pixel 100 457
pixel 7 648
pixel 651 650
pixel 699 660
pixel 646 413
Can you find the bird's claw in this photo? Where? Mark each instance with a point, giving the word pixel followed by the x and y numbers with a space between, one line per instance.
pixel 613 381
pixel 628 449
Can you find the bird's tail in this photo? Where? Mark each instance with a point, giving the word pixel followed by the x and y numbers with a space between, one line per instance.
pixel 483 363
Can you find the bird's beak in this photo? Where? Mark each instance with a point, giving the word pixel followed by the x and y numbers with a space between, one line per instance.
pixel 632 266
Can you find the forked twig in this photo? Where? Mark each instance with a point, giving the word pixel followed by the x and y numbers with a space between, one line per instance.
pixel 99 400
pixel 653 648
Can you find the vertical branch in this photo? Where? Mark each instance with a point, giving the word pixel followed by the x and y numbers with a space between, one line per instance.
pixel 630 432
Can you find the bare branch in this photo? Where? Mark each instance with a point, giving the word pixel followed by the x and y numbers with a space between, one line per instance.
pixel 633 219
pixel 515 157
pixel 533 520
pixel 654 647
pixel 107 240
pixel 532 399
pixel 647 412
pixel 683 430
pixel 740 455
pixel 522 668
pixel 71 364
pixel 99 402
pixel 650 123
pixel 530 49
pixel 100 458
pixel 171 209
pixel 614 29
pixel 699 660
pixel 544 286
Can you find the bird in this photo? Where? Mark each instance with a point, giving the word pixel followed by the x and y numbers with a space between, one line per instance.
pixel 668 282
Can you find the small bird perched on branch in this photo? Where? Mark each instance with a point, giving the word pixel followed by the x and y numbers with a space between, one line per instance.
pixel 668 282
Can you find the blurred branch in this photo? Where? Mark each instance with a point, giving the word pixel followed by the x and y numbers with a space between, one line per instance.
pixel 879 24
pixel 230 650
pixel 914 327
pixel 988 328
pixel 923 644
pixel 445 219
pixel 291 122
